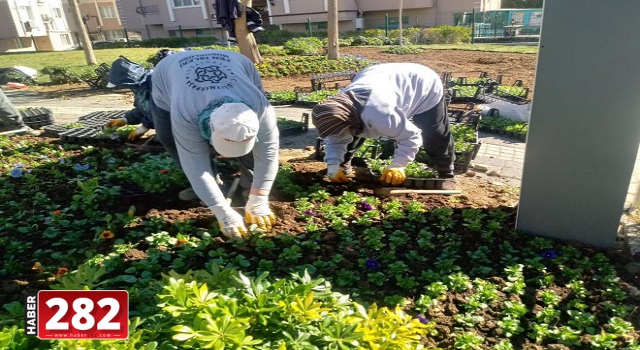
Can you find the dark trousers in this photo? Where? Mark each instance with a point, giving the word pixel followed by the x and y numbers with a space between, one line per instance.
pixel 9 114
pixel 437 140
pixel 164 133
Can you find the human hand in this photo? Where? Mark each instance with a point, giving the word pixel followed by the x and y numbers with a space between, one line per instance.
pixel 257 212
pixel 231 223
pixel 336 174
pixel 393 175
pixel 137 133
pixel 116 123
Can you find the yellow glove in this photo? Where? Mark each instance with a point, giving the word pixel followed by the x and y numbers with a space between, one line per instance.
pixel 257 212
pixel 137 133
pixel 393 176
pixel 116 123
pixel 230 221
pixel 336 174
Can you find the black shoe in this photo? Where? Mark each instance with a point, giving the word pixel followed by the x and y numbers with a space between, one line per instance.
pixel 445 174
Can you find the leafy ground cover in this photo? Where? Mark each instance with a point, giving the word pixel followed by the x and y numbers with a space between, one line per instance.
pixel 341 270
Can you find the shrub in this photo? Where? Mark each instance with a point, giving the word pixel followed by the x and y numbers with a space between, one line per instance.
pixel 61 75
pixel 282 95
pixel 287 66
pixel 448 35
pixel 264 313
pixel 413 35
pixel 303 46
pixel 276 37
pixel 341 42
pixel 268 50
pixel 403 50
pixel 363 40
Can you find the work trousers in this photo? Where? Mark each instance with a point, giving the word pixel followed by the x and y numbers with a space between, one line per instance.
pixel 437 140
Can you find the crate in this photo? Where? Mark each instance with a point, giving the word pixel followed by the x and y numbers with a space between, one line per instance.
pixel 36 118
pixel 319 81
pixel 301 128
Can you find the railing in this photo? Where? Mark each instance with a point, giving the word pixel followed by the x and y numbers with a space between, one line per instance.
pixel 147 10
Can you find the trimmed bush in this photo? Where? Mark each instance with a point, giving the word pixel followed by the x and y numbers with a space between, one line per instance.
pixel 403 50
pixel 267 50
pixel 289 66
pixel 62 75
pixel 448 35
pixel 303 46
pixel 276 37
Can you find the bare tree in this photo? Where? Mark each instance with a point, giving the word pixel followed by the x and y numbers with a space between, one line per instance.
pixel 86 41
pixel 333 46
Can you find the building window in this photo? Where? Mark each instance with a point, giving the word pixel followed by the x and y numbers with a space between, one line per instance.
pixel 172 33
pixel 18 43
pixel 394 20
pixel 107 12
pixel 57 12
pixel 205 31
pixel 25 13
pixel 316 25
pixel 113 35
pixel 66 39
pixel 184 3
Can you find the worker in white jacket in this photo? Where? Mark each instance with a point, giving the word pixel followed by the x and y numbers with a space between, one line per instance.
pixel 400 101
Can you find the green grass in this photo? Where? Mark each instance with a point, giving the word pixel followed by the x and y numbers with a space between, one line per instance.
pixel 74 60
pixel 484 47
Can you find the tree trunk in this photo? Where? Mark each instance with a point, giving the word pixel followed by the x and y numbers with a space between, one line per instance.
pixel 246 41
pixel 333 47
pixel 400 23
pixel 84 36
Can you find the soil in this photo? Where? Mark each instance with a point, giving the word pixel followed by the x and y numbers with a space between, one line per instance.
pixel 512 66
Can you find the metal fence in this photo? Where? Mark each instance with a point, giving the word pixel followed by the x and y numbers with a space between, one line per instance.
pixel 503 25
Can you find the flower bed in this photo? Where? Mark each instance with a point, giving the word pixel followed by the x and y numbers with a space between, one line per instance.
pixel 342 269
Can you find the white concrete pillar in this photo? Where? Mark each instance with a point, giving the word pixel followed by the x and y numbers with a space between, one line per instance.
pixel 585 123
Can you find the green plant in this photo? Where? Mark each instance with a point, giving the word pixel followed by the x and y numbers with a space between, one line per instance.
pixel 268 50
pixel 154 174
pixel 403 50
pixel 448 35
pixel 303 46
pixel 282 95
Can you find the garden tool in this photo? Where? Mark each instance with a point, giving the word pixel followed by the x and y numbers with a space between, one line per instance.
pixel 232 189
pixel 390 191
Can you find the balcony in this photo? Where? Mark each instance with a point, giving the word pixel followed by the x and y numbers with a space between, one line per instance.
pixel 148 10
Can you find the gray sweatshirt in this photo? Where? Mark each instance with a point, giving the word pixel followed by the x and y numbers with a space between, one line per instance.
pixel 389 95
pixel 185 84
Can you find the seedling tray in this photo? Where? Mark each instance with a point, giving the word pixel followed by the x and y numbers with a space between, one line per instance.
pixel 53 130
pixel 87 136
pixel 36 118
pixel 383 149
pixel 366 174
pixel 101 117
pixel 511 134
pixel 301 128
pixel 308 104
pixel 282 103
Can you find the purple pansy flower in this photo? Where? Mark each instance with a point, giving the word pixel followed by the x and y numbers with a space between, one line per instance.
pixel 422 319
pixel 549 254
pixel 310 213
pixel 81 167
pixel 373 264
pixel 16 172
pixel 366 206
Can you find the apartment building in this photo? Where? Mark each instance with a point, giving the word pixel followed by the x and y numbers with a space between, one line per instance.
pixel 102 20
pixel 172 18
pixel 34 25
pixel 295 15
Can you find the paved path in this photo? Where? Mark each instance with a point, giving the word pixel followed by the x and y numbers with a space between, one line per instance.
pixel 499 153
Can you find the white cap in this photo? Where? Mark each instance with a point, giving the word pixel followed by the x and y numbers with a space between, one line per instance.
pixel 111 85
pixel 234 127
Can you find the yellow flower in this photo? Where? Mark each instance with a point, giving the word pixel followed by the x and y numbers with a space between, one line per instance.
pixel 37 266
pixel 107 235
